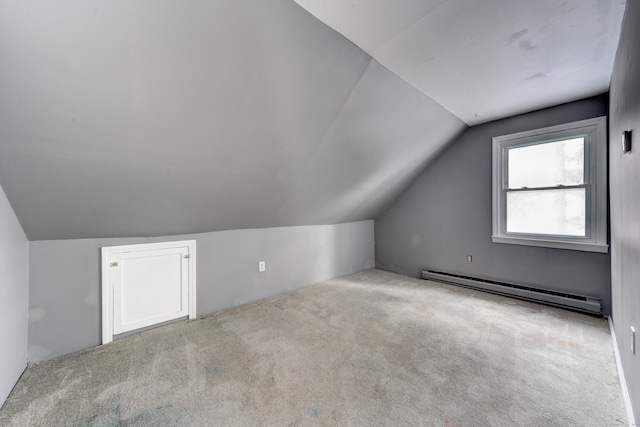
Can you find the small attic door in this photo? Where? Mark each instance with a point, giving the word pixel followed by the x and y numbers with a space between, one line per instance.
pixel 144 285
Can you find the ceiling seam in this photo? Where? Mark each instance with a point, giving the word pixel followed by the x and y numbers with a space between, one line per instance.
pixel 411 84
pixel 390 39
pixel 422 93
pixel 331 126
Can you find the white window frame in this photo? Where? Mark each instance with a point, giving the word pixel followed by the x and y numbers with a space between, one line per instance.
pixel 595 183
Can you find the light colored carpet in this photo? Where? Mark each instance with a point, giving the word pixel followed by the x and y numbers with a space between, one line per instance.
pixel 373 348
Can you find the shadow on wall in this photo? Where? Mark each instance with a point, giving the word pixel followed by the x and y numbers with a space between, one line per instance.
pixel 446 214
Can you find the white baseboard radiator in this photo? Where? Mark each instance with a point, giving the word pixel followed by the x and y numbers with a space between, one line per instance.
pixel 573 302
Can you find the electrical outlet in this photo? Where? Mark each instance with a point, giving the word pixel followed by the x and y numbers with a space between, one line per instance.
pixel 469 258
pixel 262 266
pixel 633 340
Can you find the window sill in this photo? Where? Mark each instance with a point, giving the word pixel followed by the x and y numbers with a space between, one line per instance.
pixel 557 244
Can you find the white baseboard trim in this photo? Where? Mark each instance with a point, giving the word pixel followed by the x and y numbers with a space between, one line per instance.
pixel 623 383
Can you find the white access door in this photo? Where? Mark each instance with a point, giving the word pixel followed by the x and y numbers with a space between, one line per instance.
pixel 146 285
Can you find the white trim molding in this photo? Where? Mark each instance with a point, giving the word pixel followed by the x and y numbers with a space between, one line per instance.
pixel 623 383
pixel 594 132
pixel 107 283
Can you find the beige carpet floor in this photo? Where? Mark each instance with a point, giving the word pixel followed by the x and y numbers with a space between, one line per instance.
pixel 369 349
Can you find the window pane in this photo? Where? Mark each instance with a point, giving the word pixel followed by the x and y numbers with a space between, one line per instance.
pixel 547 164
pixel 555 212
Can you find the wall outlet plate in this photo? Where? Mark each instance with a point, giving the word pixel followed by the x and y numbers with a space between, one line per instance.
pixel 469 258
pixel 262 266
pixel 633 340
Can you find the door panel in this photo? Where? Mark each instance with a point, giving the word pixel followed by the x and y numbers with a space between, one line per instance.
pixel 149 284
pixel 150 287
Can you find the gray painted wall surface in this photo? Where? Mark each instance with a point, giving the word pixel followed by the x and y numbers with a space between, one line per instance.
pixel 624 175
pixel 14 288
pixel 155 118
pixel 65 301
pixel 445 215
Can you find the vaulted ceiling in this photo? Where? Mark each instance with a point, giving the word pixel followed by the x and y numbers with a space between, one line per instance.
pixel 489 59
pixel 168 117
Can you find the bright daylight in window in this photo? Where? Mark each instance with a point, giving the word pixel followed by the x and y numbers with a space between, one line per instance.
pixel 549 187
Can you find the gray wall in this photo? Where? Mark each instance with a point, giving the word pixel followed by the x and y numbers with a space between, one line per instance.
pixel 162 117
pixel 14 287
pixel 624 175
pixel 445 215
pixel 64 288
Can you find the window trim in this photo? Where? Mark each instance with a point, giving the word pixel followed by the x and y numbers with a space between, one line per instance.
pixel 595 178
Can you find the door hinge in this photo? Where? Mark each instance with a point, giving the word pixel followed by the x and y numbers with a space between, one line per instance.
pixel 114 264
pixel 187 256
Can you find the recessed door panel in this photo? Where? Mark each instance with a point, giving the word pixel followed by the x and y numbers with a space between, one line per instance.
pixel 149 285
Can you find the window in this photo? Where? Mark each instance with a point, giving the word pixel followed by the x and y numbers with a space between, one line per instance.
pixel 549 187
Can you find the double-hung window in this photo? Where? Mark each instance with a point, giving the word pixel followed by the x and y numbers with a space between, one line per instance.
pixel 549 187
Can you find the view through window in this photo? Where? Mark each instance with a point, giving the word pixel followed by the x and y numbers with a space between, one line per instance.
pixel 547 193
pixel 549 187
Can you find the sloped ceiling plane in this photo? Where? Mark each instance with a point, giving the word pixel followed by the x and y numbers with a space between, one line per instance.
pixel 170 117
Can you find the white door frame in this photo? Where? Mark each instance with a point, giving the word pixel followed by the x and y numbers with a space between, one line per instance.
pixel 107 284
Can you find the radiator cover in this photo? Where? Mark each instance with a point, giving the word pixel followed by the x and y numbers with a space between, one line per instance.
pixel 571 301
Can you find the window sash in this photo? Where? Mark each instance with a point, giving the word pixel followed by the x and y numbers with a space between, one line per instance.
pixel 542 141
pixel 595 181
pixel 588 215
pixel 558 187
pixel 539 140
pixel 587 162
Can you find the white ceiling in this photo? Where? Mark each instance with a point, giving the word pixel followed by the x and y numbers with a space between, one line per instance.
pixel 485 60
